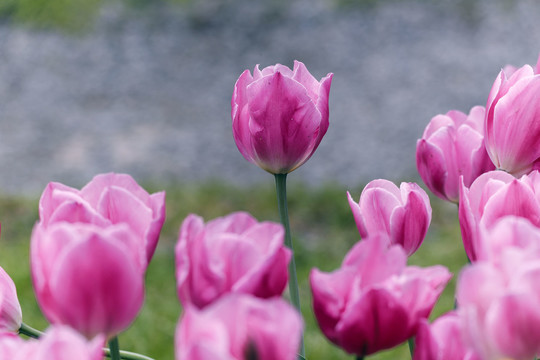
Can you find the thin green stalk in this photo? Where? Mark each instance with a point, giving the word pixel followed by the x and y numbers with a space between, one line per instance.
pixel 359 357
pixel 115 348
pixel 29 331
pixel 281 191
pixel 125 355
pixel 411 345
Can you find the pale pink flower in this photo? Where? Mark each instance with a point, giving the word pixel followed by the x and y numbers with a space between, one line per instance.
pixel 403 214
pixel 279 116
pixel 452 146
pixel 234 253
pixel 238 327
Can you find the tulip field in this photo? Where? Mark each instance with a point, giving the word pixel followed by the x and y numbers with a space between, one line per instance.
pixel 323 230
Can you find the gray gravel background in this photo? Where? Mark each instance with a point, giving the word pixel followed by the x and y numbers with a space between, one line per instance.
pixel 148 92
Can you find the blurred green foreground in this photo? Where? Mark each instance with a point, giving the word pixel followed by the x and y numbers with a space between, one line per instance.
pixel 323 230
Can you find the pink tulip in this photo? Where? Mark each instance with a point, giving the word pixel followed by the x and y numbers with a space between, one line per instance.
pixel 279 116
pixel 442 340
pixel 402 214
pixel 88 277
pixel 498 305
pixel 11 346
pixel 230 254
pixel 10 309
pixel 492 196
pixel 239 327
pixel 512 134
pixel 374 301
pixel 453 146
pixel 106 200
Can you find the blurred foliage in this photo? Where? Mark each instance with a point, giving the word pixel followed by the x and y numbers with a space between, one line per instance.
pixel 323 231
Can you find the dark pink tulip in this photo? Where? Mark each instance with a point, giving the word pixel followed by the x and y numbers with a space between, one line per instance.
pixel 10 309
pixel 492 196
pixel 374 301
pixel 512 134
pixel 442 340
pixel 452 146
pixel 88 277
pixel 106 200
pixel 403 213
pixel 498 301
pixel 234 253
pixel 279 116
pixel 239 327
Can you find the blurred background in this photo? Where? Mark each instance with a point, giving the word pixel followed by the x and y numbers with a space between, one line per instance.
pixel 144 86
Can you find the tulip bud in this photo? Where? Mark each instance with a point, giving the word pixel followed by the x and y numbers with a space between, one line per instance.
pixel 234 253
pixel 239 327
pixel 88 277
pixel 403 214
pixel 452 146
pixel 512 134
pixel 279 116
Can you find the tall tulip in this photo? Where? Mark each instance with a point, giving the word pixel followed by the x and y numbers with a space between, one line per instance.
pixel 106 200
pixel 234 253
pixel 88 277
pixel 279 116
pixel 239 327
pixel 403 214
pixel 512 134
pixel 452 146
pixel 374 301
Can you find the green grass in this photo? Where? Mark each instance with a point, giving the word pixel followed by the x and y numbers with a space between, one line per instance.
pixel 323 230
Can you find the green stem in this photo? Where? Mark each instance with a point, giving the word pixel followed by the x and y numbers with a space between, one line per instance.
pixel 125 355
pixel 411 345
pixel 359 357
pixel 281 191
pixel 115 348
pixel 29 331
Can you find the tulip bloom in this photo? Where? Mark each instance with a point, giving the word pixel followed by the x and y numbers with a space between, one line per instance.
pixel 442 340
pixel 492 196
pixel 452 146
pixel 230 254
pixel 374 301
pixel 498 304
pixel 403 214
pixel 512 134
pixel 107 200
pixel 239 327
pixel 10 309
pixel 88 277
pixel 279 116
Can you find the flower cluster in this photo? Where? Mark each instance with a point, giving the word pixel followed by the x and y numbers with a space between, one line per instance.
pixel 90 249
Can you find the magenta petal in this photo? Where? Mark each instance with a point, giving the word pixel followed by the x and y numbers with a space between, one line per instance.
pixel 430 163
pixel 101 303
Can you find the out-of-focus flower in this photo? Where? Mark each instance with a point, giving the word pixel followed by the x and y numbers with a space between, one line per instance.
pixel 374 301
pixel 492 196
pixel 498 299
pixel 279 116
pixel 88 277
pixel 512 134
pixel 452 146
pixel 107 200
pixel 10 309
pixel 234 253
pixel 58 343
pixel 403 213
pixel 238 327
pixel 442 340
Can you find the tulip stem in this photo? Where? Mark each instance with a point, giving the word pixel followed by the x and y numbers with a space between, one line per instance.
pixel 29 331
pixel 411 345
pixel 115 348
pixel 281 191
